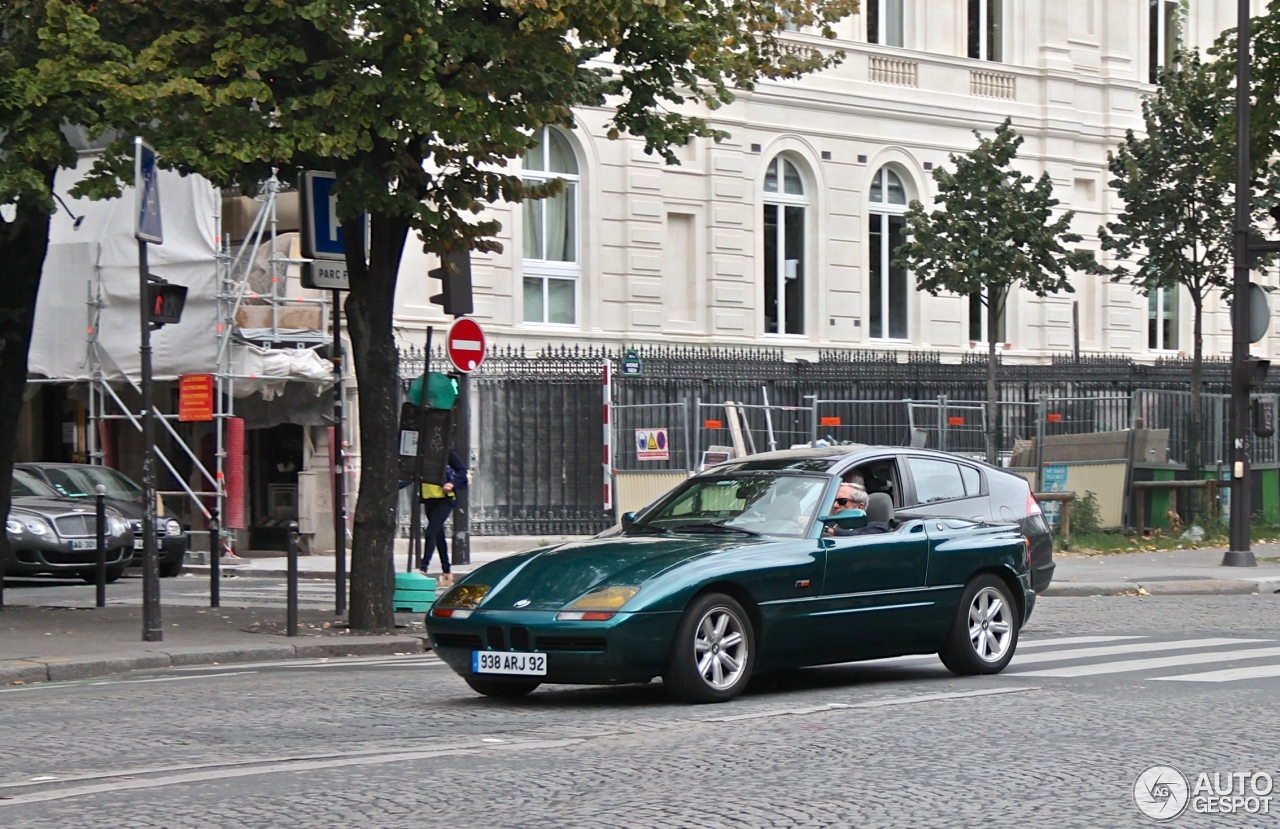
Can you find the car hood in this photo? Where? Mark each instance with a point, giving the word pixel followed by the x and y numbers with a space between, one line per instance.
pixel 50 506
pixel 551 578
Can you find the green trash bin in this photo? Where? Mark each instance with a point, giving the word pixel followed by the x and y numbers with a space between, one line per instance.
pixel 414 593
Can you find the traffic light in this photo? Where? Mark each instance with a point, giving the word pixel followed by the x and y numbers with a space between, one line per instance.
pixel 454 274
pixel 1255 371
pixel 164 301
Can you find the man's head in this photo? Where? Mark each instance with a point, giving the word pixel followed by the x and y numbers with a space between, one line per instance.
pixel 850 496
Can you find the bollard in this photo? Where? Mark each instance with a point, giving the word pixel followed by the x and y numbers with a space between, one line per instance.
pixel 292 599
pixel 100 572
pixel 215 560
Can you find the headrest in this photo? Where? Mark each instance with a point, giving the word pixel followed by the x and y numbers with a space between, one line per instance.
pixel 879 508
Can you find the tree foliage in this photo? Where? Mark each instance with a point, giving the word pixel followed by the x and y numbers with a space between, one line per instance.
pixel 995 232
pixel 419 107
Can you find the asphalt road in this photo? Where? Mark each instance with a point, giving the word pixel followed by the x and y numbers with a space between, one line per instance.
pixel 1100 690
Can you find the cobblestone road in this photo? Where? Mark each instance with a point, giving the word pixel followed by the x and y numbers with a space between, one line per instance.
pixel 403 742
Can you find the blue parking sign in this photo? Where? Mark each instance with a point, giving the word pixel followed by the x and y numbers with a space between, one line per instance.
pixel 321 228
pixel 146 183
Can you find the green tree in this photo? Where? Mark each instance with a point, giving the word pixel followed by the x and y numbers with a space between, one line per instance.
pixel 419 107
pixel 55 69
pixel 995 233
pixel 1177 185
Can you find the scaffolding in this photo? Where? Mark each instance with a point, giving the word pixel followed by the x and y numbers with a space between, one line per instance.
pixel 260 347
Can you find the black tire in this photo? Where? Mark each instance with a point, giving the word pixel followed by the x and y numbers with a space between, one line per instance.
pixel 169 569
pixel 502 689
pixel 967 650
pixel 114 572
pixel 696 634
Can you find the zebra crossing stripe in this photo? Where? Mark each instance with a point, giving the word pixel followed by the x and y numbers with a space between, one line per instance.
pixel 1023 644
pixel 1136 647
pixel 1150 664
pixel 1225 675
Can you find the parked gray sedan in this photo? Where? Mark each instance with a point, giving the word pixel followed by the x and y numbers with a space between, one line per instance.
pixel 53 535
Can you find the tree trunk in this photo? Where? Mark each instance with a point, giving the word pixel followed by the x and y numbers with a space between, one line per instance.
pixel 370 305
pixel 1194 425
pixel 23 244
pixel 993 414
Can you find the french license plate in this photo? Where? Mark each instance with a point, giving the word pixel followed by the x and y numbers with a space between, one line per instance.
pixel 83 544
pixel 509 662
pixel 137 544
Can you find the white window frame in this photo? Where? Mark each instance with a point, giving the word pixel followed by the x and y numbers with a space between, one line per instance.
pixel 544 269
pixel 983 312
pixel 1174 316
pixel 1159 34
pixel 782 200
pixel 984 21
pixel 882 25
pixel 882 210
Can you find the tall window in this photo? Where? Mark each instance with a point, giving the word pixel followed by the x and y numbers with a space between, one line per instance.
pixel 1162 319
pixel 1165 33
pixel 888 281
pixel 986 29
pixel 884 22
pixel 979 314
pixel 784 248
pixel 551 262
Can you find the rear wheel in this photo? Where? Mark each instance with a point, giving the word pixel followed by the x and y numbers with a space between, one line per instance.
pixel 507 689
pixel 984 633
pixel 713 652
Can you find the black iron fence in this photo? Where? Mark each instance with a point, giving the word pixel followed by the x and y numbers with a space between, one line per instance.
pixel 539 425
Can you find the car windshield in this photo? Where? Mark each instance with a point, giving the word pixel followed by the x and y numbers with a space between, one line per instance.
pixel 761 504
pixel 27 485
pixel 82 482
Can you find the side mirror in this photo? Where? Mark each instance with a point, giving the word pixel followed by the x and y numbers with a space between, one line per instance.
pixel 628 518
pixel 846 519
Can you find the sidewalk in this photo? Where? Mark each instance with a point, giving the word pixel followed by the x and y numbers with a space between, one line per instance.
pixel 75 640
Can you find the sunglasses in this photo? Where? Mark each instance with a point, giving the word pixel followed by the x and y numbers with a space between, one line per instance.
pixel 843 501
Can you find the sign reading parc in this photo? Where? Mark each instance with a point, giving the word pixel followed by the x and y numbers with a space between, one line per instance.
pixel 465 344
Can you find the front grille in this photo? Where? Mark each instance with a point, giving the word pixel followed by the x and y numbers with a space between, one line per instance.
pixel 572 643
pixel 520 638
pixel 457 640
pixel 73 526
pixel 494 634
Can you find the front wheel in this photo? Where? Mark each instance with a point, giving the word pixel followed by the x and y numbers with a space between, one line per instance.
pixel 713 652
pixel 114 572
pixel 501 689
pixel 984 633
pixel 169 569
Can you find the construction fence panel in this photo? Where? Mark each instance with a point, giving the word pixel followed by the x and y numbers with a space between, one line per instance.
pixel 651 450
pixel 750 429
pixel 870 422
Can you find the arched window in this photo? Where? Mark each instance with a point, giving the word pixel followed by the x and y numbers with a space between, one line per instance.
pixel 784 247
pixel 888 282
pixel 552 264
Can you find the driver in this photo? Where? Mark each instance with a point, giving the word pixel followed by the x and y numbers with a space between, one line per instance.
pixel 852 496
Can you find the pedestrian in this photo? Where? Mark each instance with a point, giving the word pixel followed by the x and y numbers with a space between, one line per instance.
pixel 437 503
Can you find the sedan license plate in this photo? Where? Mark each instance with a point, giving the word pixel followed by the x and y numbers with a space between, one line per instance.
pixel 83 544
pixel 137 544
pixel 509 662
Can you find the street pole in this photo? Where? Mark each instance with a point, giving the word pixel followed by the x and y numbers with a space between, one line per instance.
pixel 151 626
pixel 339 470
pixel 415 485
pixel 462 497
pixel 215 559
pixel 1239 554
pixel 100 570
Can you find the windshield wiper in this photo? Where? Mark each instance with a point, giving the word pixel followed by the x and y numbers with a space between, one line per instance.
pixel 644 529
pixel 711 527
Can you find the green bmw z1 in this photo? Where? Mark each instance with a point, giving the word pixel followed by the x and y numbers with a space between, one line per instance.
pixel 743 568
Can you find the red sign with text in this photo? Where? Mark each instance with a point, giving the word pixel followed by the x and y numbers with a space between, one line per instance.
pixel 195 398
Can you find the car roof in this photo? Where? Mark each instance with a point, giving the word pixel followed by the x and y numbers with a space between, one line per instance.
pixel 841 456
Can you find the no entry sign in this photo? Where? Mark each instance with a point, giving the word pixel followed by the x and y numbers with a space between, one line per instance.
pixel 465 344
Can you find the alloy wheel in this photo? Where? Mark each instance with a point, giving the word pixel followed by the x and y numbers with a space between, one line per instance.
pixel 990 625
pixel 720 648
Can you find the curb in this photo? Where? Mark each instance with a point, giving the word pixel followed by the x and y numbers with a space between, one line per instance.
pixel 1182 587
pixel 36 669
pixel 237 572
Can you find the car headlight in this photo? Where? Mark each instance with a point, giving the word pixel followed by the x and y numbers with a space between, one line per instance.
pixel 172 528
pixel 459 601
pixel 116 525
pixel 13 525
pixel 598 605
pixel 37 526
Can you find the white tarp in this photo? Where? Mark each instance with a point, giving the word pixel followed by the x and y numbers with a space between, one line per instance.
pixel 266 370
pixel 102 253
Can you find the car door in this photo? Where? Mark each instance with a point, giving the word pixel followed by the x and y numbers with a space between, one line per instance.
pixel 873 592
pixel 946 488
